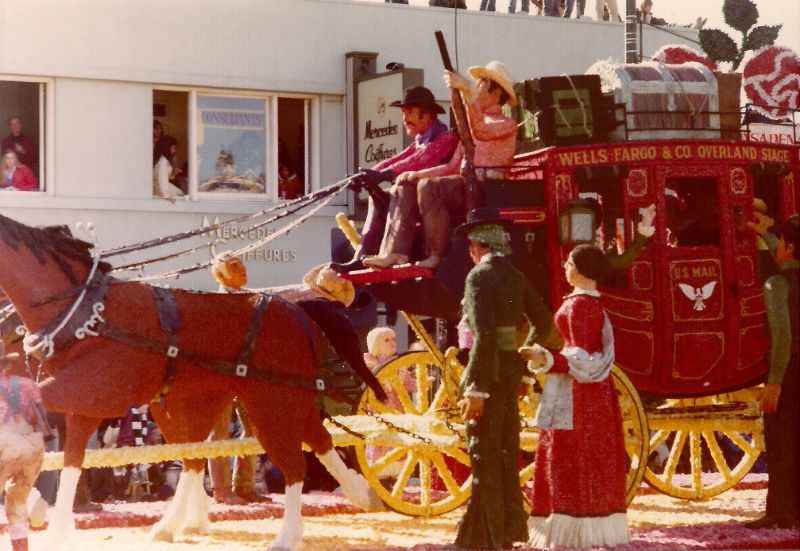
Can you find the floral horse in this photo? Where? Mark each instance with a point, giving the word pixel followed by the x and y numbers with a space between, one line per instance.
pixel 107 344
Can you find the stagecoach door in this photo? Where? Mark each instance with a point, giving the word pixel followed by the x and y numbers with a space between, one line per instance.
pixel 702 290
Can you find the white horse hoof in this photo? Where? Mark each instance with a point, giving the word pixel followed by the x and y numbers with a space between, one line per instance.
pixel 282 546
pixel 161 535
pixel 194 531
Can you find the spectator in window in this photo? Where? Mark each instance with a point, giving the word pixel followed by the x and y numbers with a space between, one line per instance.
pixel 17 176
pixel 19 143
pixel 289 185
pixel 158 132
pixel 162 169
pixel 645 14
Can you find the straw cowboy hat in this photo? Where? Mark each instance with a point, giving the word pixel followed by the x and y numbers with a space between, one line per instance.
pixel 324 281
pixel 499 73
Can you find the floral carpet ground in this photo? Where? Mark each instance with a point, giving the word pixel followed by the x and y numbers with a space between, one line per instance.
pixel 657 522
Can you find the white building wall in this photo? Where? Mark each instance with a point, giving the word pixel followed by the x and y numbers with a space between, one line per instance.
pixel 104 57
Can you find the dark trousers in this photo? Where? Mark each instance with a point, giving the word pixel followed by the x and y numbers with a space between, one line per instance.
pixel 401 221
pixel 570 4
pixel 374 227
pixel 783 448
pixel 495 517
pixel 439 200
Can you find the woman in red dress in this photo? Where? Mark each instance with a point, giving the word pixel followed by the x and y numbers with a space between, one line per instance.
pixel 579 489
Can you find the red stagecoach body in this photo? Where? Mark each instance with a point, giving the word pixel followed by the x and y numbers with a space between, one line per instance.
pixel 688 314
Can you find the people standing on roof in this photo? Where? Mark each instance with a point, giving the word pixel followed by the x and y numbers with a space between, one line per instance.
pixel 579 495
pixel 433 144
pixel 441 191
pixel 579 12
pixel 613 11
pixel 781 399
pixel 497 299
pixel 645 14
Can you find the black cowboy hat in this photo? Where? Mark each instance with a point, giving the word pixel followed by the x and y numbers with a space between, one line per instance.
pixel 480 217
pixel 418 96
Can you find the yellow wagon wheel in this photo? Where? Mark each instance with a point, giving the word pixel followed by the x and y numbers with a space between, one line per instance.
pixel 634 424
pixel 702 447
pixel 635 429
pixel 418 479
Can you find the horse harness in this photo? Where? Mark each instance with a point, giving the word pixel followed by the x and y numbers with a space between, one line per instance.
pixel 91 309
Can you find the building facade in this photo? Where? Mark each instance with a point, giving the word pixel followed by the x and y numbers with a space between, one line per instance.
pixel 248 90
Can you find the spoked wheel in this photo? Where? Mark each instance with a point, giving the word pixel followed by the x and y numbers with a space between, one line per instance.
pixel 417 478
pixel 634 424
pixel 701 447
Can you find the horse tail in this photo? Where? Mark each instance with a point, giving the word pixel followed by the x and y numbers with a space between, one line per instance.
pixel 343 337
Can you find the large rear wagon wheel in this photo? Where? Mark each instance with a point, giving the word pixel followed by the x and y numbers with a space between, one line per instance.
pixel 703 447
pixel 418 479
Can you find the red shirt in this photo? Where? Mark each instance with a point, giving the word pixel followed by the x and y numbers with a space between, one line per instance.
pixel 494 135
pixel 23 179
pixel 432 147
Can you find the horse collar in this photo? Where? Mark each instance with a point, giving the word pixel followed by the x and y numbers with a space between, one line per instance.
pixel 82 318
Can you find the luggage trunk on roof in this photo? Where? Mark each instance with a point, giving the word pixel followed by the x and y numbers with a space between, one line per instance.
pixel 667 101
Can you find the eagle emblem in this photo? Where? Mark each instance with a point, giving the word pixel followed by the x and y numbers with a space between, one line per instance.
pixel 698 294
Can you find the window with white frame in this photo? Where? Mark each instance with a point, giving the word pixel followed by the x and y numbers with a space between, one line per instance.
pixel 234 145
pixel 22 106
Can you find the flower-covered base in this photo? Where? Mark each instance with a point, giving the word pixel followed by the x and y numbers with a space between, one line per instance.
pixel 559 530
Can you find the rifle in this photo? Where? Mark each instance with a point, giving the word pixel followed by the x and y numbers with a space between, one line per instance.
pixel 462 125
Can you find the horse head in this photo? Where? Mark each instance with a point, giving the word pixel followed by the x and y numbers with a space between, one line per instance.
pixel 39 264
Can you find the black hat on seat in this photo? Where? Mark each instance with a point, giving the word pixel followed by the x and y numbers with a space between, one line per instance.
pixel 419 96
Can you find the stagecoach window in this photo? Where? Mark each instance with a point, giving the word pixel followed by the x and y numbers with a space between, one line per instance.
pixel 21 113
pixel 692 212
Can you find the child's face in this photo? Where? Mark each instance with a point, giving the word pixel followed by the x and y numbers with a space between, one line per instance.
pixel 389 345
pixel 283 171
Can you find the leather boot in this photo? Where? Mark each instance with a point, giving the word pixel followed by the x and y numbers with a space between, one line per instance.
pixel 20 544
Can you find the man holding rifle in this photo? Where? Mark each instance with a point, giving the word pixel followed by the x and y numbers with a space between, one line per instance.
pixel 456 187
pixel 433 144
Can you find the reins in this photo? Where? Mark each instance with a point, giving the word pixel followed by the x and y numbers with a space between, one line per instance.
pixel 290 207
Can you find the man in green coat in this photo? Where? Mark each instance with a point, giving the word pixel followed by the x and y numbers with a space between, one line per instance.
pixel 497 298
pixel 781 399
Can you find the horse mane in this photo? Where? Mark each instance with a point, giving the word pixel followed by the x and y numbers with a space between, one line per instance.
pixel 53 241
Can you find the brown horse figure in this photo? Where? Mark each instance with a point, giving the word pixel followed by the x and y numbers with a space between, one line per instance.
pixel 107 344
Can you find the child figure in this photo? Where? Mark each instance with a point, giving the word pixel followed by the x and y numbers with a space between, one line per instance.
pixel 381 346
pixel 22 431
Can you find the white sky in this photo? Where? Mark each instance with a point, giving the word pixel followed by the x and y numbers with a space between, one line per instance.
pixel 771 12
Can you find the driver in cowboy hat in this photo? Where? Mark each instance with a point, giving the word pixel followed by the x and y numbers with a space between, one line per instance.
pixel 497 298
pixel 22 431
pixel 442 190
pixel 433 144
